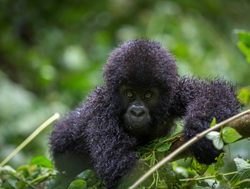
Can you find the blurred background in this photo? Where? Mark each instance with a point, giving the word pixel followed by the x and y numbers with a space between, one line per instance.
pixel 52 52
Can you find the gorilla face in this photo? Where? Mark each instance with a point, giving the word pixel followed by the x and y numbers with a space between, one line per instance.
pixel 138 105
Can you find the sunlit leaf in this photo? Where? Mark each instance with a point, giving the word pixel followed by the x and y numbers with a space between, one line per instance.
pixel 212 135
pixel 42 161
pixel 216 139
pixel 213 122
pixel 244 43
pixel 241 164
pixel 244 96
pixel 230 135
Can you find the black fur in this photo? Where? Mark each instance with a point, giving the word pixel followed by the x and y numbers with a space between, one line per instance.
pixel 93 134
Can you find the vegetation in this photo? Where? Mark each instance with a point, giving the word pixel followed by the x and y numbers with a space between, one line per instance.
pixel 51 56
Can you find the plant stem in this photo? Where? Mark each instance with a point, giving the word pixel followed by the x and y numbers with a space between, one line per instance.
pixel 207 177
pixel 30 138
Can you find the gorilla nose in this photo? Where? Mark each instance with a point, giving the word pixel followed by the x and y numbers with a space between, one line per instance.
pixel 137 111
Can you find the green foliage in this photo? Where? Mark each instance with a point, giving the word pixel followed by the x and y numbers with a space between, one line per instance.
pixel 230 135
pixel 227 135
pixel 244 95
pixel 78 184
pixel 40 173
pixel 213 122
pixel 244 46
pixel 151 154
pixel 213 176
pixel 186 174
pixel 41 161
pixel 198 167
pixel 244 43
pixel 36 174
pixel 241 177
pixel 89 180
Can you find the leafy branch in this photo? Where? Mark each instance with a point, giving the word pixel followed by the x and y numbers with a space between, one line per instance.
pixel 240 122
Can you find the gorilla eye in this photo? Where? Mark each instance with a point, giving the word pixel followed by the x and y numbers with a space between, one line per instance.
pixel 148 95
pixel 129 94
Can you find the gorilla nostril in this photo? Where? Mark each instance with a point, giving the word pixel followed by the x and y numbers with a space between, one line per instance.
pixel 137 111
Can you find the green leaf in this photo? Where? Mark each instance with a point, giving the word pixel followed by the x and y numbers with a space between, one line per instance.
pixel 198 167
pixel 24 170
pixel 237 179
pixel 244 96
pixel 42 161
pixel 164 147
pixel 86 174
pixel 244 43
pixel 181 170
pixel 241 164
pixel 162 139
pixel 219 162
pixel 216 139
pixel 244 36
pixel 21 185
pixel 212 135
pixel 241 179
pixel 213 122
pixel 78 184
pixel 90 178
pixel 230 135
pixel 218 143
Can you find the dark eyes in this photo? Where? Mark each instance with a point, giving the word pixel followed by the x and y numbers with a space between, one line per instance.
pixel 129 94
pixel 148 95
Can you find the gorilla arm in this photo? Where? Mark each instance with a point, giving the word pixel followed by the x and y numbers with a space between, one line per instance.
pixel 111 149
pixel 93 133
pixel 67 144
pixel 199 102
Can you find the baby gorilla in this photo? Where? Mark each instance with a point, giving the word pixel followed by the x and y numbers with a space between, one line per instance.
pixel 141 96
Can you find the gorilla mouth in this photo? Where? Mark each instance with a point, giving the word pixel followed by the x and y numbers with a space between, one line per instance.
pixel 137 122
pixel 136 119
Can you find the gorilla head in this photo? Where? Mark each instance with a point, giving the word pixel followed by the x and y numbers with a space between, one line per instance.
pixel 145 77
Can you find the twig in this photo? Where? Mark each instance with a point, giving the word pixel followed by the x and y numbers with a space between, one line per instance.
pixel 30 138
pixel 207 177
pixel 185 146
pixel 241 125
